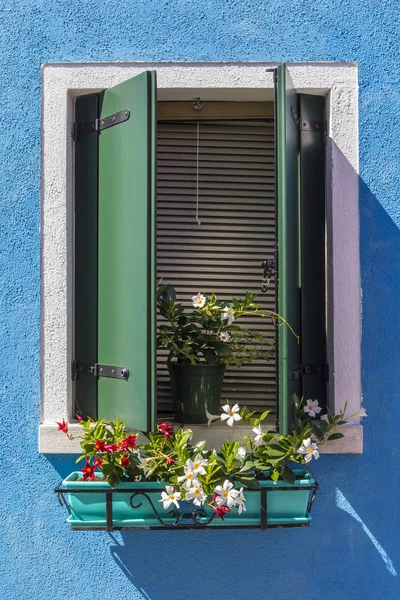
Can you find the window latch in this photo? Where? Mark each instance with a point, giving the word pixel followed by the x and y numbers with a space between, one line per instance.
pixel 269 271
pixel 97 370
pixel 303 370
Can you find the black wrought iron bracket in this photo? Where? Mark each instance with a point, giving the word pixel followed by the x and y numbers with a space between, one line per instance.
pixel 196 519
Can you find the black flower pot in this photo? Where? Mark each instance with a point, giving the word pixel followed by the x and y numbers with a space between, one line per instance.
pixel 195 389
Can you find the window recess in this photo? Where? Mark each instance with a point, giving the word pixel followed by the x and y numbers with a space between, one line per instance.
pixel 216 222
pixel 257 186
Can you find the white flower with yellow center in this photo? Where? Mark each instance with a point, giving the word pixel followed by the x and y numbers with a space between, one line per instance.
pixel 189 479
pixel 259 435
pixel 198 301
pixel 225 494
pixel 312 408
pixel 228 314
pixel 170 497
pixel 198 464
pixel 224 336
pixel 309 449
pixel 230 414
pixel 196 495
pixel 240 501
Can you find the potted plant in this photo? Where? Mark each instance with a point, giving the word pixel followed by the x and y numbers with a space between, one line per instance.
pixel 202 343
pixel 124 483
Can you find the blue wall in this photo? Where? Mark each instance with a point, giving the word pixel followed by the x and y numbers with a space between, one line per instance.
pixel 352 549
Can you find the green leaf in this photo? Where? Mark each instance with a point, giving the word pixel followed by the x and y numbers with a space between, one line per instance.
pixel 335 436
pixel 275 475
pixel 288 475
pixel 249 482
pixel 81 457
pixel 210 356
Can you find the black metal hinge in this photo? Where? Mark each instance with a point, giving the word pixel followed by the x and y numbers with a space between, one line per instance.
pixel 303 370
pixel 308 125
pixel 98 125
pixel 97 370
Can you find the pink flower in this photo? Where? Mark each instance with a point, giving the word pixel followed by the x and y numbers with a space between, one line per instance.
pixel 100 446
pixel 98 462
pixel 169 460
pixel 63 425
pixel 129 442
pixel 220 511
pixel 78 418
pixel 111 448
pixel 125 461
pixel 88 471
pixel 166 429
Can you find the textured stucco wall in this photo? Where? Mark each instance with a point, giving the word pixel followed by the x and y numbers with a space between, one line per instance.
pixel 352 548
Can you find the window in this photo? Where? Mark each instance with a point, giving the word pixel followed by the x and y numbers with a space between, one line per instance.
pixel 336 83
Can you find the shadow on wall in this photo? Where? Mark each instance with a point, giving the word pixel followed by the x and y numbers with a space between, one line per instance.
pixel 352 549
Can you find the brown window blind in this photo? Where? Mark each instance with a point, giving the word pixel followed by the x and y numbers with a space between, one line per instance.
pixel 236 208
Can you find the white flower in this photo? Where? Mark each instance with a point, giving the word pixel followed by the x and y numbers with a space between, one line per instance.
pixel 198 464
pixel 361 413
pixel 198 301
pixel 170 497
pixel 240 501
pixel 189 479
pixel 324 418
pixel 232 414
pixel 193 468
pixel 309 449
pixel 312 408
pixel 210 418
pixel 143 462
pixel 224 336
pixel 226 494
pixel 241 453
pixel 197 495
pixel 228 313
pixel 259 435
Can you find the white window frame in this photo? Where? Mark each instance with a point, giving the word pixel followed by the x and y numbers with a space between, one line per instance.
pixel 61 83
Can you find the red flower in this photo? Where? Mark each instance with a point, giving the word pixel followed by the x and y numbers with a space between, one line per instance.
pixel 221 510
pixel 129 442
pixel 124 461
pixel 100 446
pixel 63 425
pixel 78 417
pixel 111 448
pixel 98 462
pixel 169 460
pixel 88 471
pixel 166 429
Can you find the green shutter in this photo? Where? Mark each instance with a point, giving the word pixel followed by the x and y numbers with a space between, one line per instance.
pixel 288 240
pixel 85 254
pixel 126 253
pixel 313 256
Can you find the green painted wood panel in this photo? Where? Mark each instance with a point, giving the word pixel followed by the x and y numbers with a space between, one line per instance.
pixel 85 255
pixel 313 252
pixel 126 279
pixel 288 239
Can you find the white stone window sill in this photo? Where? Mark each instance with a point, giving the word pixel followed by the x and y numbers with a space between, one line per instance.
pixel 53 441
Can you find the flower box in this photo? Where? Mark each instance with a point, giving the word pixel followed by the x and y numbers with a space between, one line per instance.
pixel 96 505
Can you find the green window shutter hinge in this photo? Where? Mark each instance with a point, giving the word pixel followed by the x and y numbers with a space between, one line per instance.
pixel 98 125
pixel 304 370
pixel 97 370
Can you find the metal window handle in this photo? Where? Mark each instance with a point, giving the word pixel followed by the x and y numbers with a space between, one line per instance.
pixel 269 271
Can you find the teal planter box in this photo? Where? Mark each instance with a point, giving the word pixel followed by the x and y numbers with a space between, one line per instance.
pixel 284 503
pixel 95 505
pixel 89 509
